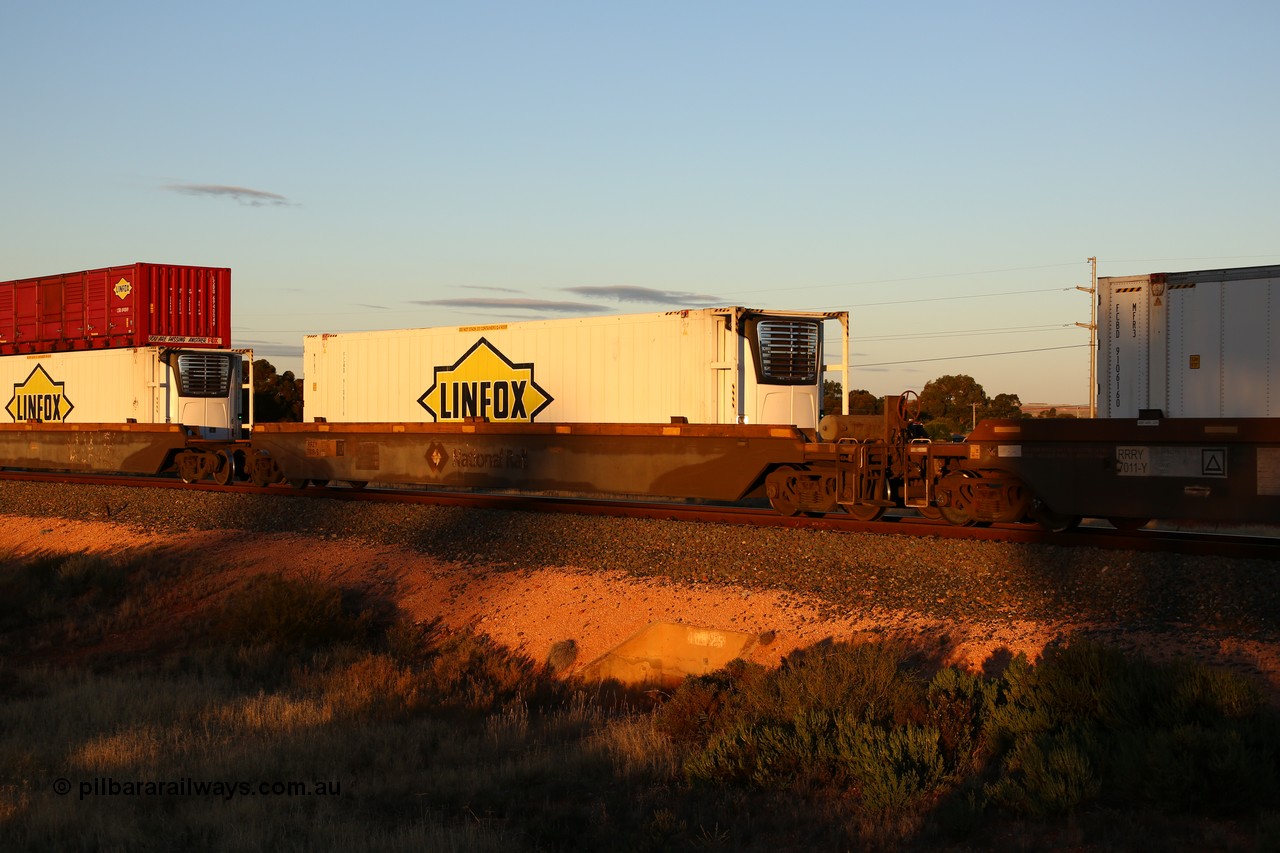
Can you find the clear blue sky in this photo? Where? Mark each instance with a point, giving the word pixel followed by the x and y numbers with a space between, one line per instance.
pixel 419 164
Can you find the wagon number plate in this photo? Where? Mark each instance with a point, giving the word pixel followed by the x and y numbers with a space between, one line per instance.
pixel 1171 462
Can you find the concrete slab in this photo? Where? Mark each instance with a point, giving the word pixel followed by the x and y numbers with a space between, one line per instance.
pixel 666 653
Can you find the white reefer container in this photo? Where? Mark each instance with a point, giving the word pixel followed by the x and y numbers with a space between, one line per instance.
pixel 148 385
pixel 1200 344
pixel 710 366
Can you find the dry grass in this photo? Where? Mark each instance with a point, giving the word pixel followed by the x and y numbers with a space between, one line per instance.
pixel 410 737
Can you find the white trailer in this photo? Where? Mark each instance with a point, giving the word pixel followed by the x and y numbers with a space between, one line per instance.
pixel 1200 344
pixel 199 389
pixel 710 366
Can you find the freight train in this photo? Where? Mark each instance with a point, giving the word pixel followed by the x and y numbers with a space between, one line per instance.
pixel 716 404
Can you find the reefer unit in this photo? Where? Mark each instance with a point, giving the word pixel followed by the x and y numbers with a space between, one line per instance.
pixel 127 306
pixel 710 366
pixel 199 389
pixel 1200 344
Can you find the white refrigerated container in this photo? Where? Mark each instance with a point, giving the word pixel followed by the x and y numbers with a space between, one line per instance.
pixel 200 389
pixel 710 365
pixel 1199 344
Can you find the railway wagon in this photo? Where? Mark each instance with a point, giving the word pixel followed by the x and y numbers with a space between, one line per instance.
pixel 1197 344
pixel 684 461
pixel 198 389
pixel 135 305
pixel 705 366
pixel 109 448
pixel 1131 471
pixel 1053 472
pixel 698 403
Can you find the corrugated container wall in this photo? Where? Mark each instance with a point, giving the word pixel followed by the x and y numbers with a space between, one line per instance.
pixel 127 306
pixel 710 366
pixel 1200 344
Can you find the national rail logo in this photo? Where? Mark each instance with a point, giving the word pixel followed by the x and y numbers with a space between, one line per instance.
pixel 484 383
pixel 39 398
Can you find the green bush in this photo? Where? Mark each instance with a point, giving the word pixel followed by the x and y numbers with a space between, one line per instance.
pixel 1090 722
pixel 836 718
pixel 1047 775
pixel 894 769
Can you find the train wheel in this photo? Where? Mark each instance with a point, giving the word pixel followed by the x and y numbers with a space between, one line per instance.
pixel 864 512
pixel 192 466
pixel 932 513
pixel 1128 524
pixel 958 517
pixel 357 485
pixel 1050 520
pixel 781 487
pixel 298 483
pixel 263 471
pixel 955 486
pixel 225 473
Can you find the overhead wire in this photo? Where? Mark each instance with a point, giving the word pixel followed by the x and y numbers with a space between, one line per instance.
pixel 967 333
pixel 971 355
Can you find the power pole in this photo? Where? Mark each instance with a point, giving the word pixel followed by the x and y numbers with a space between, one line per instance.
pixel 1092 326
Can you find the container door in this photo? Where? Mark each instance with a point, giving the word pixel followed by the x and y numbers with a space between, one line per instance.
pixel 1195 350
pixel 1125 360
pixel 51 293
pixel 1249 349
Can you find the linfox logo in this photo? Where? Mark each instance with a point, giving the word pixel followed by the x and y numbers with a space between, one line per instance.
pixel 123 288
pixel 484 383
pixel 39 398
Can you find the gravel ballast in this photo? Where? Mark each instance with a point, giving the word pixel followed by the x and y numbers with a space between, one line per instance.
pixel 1112 591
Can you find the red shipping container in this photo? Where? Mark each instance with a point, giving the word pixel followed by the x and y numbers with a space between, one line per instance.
pixel 129 306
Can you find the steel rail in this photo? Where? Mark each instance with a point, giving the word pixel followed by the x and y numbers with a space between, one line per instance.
pixel 1155 540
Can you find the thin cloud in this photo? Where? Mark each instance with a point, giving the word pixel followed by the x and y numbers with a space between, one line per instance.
pixel 512 305
pixel 243 195
pixel 492 289
pixel 625 293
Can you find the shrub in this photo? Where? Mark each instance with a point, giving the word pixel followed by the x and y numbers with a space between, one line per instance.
pixel 876 681
pixel 41 587
pixel 839 717
pixel 1092 722
pixel 960 703
pixel 290 615
pixel 463 670
pixel 1046 775
pixel 892 768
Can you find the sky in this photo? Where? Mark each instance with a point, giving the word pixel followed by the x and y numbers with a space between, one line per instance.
pixel 941 170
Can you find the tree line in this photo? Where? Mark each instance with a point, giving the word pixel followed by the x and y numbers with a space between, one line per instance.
pixel 276 396
pixel 949 405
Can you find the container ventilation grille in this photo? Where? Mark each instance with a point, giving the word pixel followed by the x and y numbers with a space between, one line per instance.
pixel 789 351
pixel 204 374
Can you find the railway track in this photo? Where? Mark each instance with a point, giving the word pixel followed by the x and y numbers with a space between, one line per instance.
pixel 1219 544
